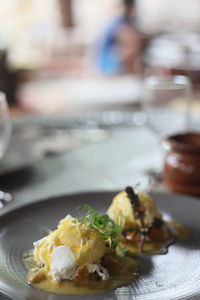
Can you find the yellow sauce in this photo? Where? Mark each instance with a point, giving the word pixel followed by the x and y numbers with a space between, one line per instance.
pixel 157 246
pixel 123 274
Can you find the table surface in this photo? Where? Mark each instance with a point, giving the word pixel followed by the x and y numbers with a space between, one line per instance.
pixel 113 158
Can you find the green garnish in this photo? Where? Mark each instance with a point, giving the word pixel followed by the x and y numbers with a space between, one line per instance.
pixel 136 185
pixel 103 224
pixel 123 250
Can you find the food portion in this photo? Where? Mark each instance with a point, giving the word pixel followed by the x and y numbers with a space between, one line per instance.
pixel 79 257
pixel 143 229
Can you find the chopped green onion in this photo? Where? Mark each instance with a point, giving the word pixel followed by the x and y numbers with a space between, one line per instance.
pixel 103 224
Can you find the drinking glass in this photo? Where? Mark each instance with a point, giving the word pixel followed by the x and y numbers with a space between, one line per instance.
pixel 5 135
pixel 166 103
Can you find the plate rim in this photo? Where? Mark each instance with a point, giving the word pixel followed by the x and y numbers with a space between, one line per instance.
pixel 39 201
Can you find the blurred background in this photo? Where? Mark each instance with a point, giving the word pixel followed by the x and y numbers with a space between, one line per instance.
pixel 64 56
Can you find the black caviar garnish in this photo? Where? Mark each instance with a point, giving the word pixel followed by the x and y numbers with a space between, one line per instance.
pixel 139 214
pixel 136 204
pixel 157 223
pixel 133 197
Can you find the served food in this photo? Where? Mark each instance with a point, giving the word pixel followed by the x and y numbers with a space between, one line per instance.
pixel 143 229
pixel 88 255
pixel 79 257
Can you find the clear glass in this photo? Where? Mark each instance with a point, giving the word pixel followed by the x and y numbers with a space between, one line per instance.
pixel 5 136
pixel 166 102
pixel 5 125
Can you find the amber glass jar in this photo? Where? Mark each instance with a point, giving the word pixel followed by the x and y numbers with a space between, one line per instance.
pixel 182 163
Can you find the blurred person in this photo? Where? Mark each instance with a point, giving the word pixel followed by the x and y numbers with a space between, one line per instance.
pixel 120 48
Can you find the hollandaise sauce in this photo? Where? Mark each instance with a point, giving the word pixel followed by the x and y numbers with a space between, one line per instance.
pixel 156 242
pixel 122 271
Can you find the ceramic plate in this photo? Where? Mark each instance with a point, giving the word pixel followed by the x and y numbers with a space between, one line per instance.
pixel 175 275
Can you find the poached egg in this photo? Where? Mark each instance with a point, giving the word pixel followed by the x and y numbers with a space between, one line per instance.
pixel 121 210
pixel 70 248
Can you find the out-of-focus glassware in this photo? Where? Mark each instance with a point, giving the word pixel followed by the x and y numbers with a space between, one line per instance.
pixel 166 102
pixel 5 125
pixel 5 135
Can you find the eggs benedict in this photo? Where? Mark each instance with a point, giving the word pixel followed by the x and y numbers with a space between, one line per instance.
pixel 143 227
pixel 79 257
